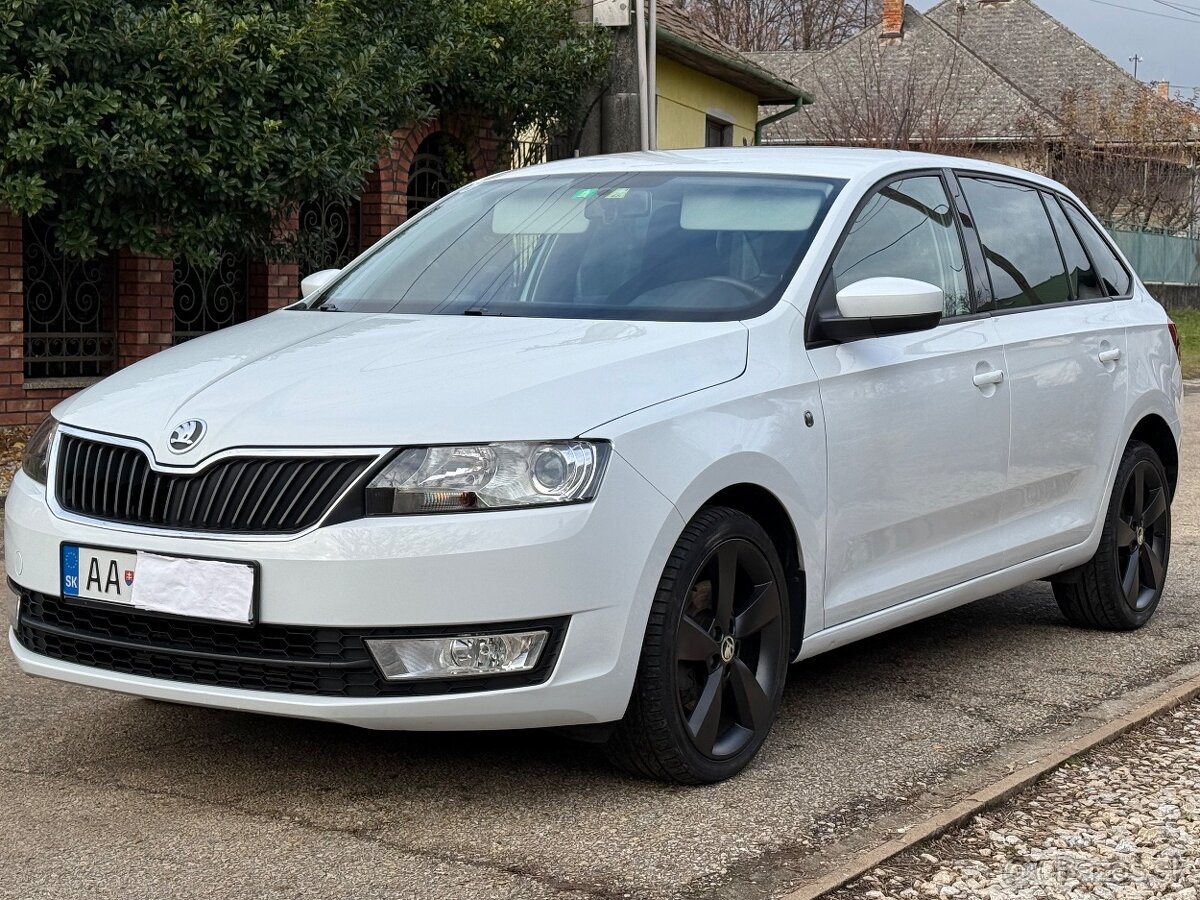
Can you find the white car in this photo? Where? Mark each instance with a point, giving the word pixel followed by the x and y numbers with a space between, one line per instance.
pixel 609 443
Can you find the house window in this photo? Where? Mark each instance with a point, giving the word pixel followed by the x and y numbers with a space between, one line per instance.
pixel 717 133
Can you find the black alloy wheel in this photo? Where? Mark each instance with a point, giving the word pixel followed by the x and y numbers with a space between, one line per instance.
pixel 1142 533
pixel 1121 585
pixel 725 679
pixel 715 656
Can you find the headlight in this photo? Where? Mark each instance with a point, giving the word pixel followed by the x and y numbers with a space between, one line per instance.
pixel 36 461
pixel 487 476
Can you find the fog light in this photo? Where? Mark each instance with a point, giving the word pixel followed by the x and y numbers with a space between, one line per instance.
pixel 457 656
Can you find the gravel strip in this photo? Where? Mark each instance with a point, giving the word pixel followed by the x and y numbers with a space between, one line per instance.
pixel 1121 823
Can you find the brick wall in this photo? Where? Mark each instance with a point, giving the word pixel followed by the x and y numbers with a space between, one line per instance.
pixel 145 306
pixel 12 322
pixel 273 284
pixel 385 196
pixel 384 205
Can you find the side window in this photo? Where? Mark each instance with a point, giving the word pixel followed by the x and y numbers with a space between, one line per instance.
pixel 1022 255
pixel 1085 283
pixel 907 230
pixel 1114 275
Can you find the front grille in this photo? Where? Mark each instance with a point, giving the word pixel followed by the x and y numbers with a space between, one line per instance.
pixel 258 495
pixel 279 658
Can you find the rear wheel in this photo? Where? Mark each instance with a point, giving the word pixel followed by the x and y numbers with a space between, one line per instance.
pixel 715 656
pixel 1120 587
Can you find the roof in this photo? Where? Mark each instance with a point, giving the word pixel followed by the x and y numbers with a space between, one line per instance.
pixel 847 163
pixel 682 39
pixel 1032 49
pixel 1013 67
pixel 789 64
pixel 953 92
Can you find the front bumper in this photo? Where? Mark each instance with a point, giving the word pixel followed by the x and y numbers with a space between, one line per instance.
pixel 594 566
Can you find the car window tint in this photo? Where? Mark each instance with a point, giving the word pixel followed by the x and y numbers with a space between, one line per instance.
pixel 1114 275
pixel 906 230
pixel 1022 255
pixel 1085 283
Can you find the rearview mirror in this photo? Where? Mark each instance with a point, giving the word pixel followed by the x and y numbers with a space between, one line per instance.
pixel 316 281
pixel 875 307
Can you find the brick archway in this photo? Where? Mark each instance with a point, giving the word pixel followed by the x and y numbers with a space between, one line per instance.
pixel 385 197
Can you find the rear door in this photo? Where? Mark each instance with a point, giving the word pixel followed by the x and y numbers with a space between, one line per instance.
pixel 1064 341
pixel 917 425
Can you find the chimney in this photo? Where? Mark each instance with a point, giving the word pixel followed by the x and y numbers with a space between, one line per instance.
pixel 893 19
pixel 1163 89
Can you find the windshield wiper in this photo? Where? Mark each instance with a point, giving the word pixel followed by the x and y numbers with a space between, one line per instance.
pixel 328 307
pixel 480 311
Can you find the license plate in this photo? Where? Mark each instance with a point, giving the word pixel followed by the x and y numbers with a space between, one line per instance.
pixel 183 586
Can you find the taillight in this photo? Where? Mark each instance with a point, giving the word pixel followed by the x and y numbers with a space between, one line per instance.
pixel 1174 336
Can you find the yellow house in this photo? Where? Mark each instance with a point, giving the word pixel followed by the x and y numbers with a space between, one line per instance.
pixel 708 94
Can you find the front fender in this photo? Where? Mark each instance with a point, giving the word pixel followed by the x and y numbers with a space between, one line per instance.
pixel 709 444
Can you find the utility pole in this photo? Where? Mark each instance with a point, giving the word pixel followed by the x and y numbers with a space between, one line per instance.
pixel 652 73
pixel 1135 59
pixel 642 77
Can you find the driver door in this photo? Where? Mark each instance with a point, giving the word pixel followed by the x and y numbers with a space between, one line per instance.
pixel 917 444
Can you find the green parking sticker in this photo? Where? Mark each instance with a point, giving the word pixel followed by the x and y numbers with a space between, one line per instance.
pixel 586 193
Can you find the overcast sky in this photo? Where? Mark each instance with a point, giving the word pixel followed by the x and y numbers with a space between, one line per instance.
pixel 1169 47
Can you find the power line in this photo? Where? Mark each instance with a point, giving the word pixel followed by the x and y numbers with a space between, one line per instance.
pixel 1190 10
pixel 1145 12
pixel 1182 7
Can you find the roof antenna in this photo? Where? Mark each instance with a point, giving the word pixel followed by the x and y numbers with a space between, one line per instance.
pixel 960 9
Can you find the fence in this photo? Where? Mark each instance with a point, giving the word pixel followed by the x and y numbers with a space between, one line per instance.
pixel 1160 258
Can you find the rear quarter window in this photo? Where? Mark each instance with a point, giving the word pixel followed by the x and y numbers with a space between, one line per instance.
pixel 1115 277
pixel 1085 282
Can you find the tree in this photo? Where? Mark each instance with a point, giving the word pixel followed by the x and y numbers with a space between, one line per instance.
pixel 185 127
pixel 784 24
pixel 1131 157
pixel 525 61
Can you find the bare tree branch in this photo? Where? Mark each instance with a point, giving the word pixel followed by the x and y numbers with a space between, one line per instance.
pixel 784 24
pixel 1130 157
pixel 881 94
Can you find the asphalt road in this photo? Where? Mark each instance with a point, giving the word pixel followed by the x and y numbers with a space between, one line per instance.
pixel 107 796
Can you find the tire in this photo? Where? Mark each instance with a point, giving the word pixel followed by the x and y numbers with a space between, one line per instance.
pixel 1119 588
pixel 711 674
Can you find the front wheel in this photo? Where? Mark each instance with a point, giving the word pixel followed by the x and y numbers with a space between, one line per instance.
pixel 1120 587
pixel 715 657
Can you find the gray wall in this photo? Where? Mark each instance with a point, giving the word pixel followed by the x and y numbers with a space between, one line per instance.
pixel 1174 296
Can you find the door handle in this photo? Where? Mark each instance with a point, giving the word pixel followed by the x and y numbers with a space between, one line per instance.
pixel 1107 356
pixel 985 378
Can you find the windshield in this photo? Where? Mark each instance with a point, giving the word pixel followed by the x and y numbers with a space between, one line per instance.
pixel 607 246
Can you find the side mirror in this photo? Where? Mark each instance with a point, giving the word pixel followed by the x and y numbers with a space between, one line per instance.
pixel 316 281
pixel 875 307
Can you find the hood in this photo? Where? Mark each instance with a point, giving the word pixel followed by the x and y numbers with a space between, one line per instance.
pixel 297 378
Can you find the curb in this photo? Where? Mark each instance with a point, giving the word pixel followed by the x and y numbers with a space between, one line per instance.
pixel 997 792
